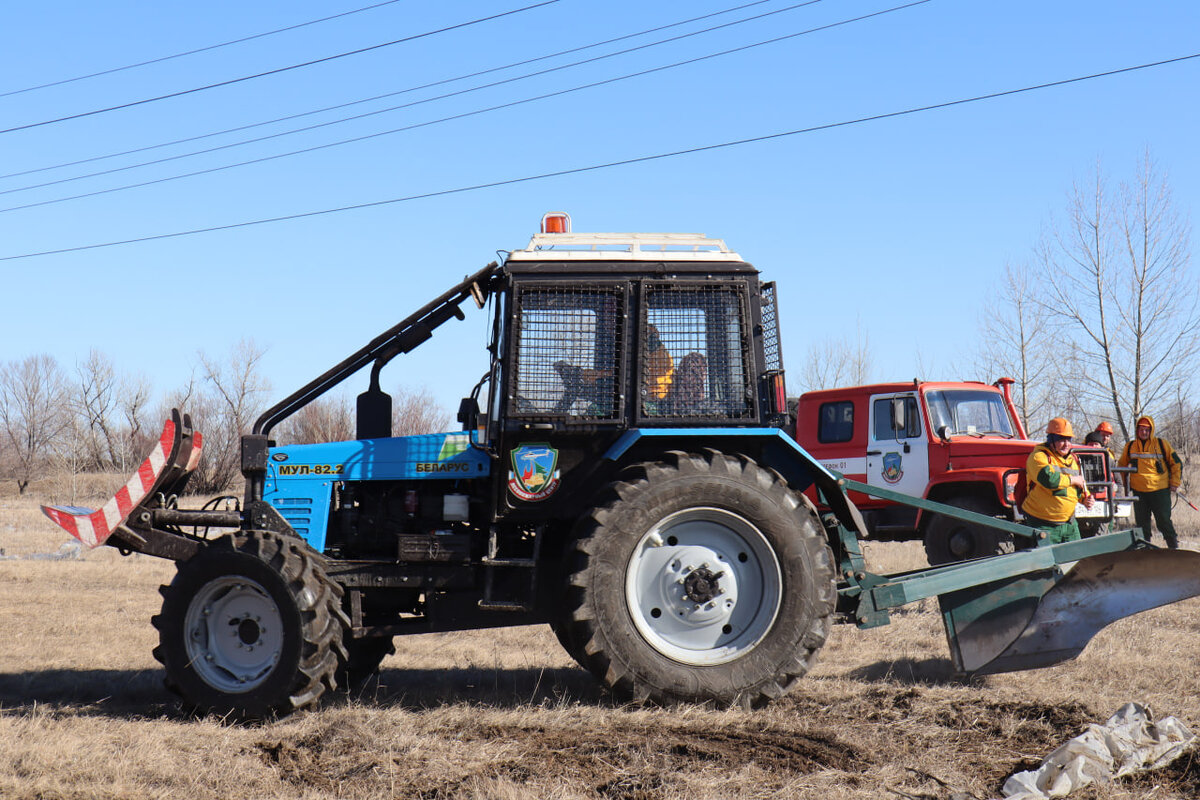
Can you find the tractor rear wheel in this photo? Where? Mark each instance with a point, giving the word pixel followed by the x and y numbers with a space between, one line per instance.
pixel 948 539
pixel 700 578
pixel 251 627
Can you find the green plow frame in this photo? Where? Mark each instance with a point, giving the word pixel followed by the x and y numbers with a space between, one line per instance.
pixel 1023 610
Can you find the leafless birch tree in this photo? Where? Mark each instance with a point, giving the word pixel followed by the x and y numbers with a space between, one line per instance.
pixel 1119 286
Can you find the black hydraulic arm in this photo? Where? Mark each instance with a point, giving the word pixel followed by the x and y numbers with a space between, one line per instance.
pixel 400 338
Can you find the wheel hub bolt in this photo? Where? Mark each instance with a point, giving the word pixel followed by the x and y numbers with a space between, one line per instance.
pixel 700 585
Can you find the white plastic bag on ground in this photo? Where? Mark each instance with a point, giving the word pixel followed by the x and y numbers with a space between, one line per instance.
pixel 1129 741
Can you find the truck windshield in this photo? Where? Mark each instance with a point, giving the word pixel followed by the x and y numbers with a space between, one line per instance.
pixel 969 411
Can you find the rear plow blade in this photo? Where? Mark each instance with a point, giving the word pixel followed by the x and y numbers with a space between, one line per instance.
pixel 1045 617
pixel 162 475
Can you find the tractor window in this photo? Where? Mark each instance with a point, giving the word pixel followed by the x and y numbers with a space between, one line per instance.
pixel 836 422
pixel 567 340
pixel 886 427
pixel 693 356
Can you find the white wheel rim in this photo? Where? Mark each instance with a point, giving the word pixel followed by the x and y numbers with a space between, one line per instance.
pixel 233 634
pixel 703 586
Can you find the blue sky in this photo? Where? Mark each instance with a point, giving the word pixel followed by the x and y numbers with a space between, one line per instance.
pixel 901 226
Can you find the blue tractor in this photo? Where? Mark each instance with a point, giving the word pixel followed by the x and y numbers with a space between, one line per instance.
pixel 622 474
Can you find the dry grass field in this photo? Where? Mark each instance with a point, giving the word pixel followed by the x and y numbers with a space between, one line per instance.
pixel 506 714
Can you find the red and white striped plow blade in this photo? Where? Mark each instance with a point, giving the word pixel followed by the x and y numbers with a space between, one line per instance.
pixel 194 456
pixel 94 526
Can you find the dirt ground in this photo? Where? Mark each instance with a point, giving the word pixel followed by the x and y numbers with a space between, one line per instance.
pixel 506 714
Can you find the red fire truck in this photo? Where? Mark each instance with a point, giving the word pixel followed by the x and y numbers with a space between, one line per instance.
pixel 959 443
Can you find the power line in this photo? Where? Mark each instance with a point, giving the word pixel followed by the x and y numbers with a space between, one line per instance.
pixel 412 104
pixel 387 94
pixel 610 164
pixel 274 71
pixel 197 50
pixel 462 115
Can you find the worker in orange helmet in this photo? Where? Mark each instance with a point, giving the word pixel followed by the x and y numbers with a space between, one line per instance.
pixel 1056 485
pixel 1159 471
pixel 1101 436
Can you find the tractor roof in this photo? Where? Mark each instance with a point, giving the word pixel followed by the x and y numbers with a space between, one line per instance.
pixel 683 251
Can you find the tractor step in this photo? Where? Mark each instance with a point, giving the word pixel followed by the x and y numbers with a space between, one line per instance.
pixel 504 605
pixel 510 582
pixel 527 563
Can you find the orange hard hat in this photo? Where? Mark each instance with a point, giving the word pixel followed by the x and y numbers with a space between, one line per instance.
pixel 1059 426
pixel 1104 427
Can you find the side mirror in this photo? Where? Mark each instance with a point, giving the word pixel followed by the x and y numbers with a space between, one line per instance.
pixel 374 419
pixel 899 413
pixel 468 413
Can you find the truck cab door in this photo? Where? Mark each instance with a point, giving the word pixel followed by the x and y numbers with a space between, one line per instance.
pixel 897 446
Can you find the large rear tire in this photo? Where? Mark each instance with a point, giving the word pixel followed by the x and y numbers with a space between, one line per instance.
pixel 251 627
pixel 700 578
pixel 948 539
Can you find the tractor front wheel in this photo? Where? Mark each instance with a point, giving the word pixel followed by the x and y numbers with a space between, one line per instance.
pixel 700 578
pixel 251 627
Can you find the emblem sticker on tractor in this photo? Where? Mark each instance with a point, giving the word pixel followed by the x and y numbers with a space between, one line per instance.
pixel 534 475
pixel 891 467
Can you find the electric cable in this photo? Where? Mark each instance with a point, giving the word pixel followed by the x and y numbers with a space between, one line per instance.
pixel 452 117
pixel 197 50
pixel 387 94
pixel 607 165
pixel 276 71
pixel 412 104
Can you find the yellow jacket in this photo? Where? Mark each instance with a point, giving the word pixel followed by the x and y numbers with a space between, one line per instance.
pixel 1051 496
pixel 1158 465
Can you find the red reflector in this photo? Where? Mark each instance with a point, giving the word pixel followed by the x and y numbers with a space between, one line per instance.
pixel 780 395
pixel 556 222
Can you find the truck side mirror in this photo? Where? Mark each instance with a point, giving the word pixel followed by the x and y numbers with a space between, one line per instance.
pixel 899 409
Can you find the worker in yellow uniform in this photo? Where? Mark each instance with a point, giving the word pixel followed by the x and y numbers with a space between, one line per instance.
pixel 1055 485
pixel 1158 473
pixel 659 366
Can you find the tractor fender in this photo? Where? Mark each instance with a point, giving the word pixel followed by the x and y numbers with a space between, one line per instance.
pixel 770 447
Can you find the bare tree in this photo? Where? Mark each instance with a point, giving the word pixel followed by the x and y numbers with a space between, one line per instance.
pixel 837 362
pixel 415 411
pixel 1119 284
pixel 1179 423
pixel 224 407
pixel 1017 342
pixel 134 397
pixel 34 410
pixel 324 420
pixel 96 405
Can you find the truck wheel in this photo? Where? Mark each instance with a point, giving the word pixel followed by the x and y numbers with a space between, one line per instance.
pixel 701 578
pixel 251 627
pixel 948 539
